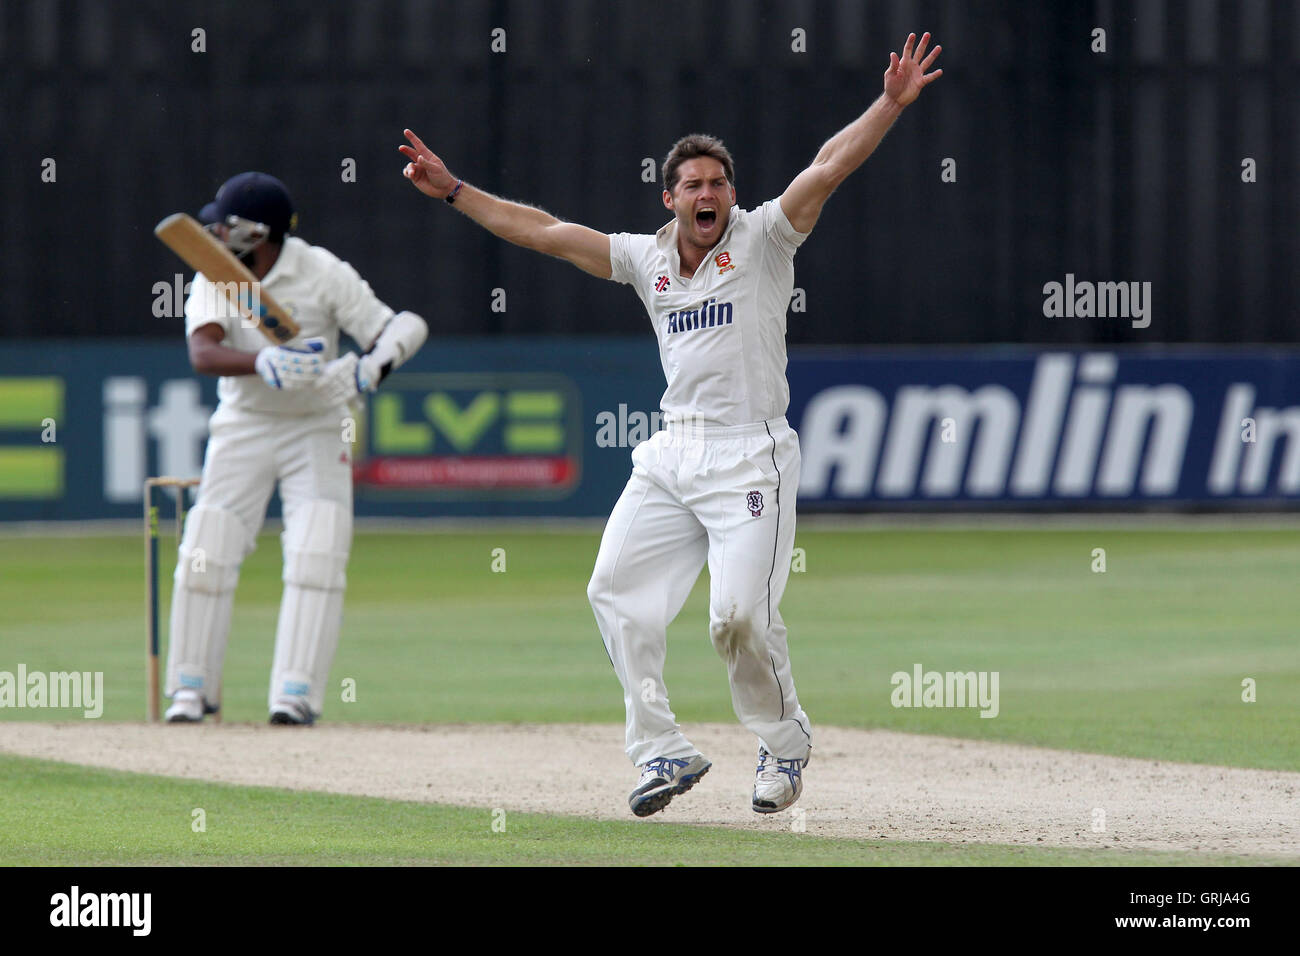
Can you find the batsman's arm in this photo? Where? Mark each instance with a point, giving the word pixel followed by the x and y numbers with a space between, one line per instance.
pixel 351 374
pixel 515 222
pixel 280 366
pixel 849 148
pixel 209 357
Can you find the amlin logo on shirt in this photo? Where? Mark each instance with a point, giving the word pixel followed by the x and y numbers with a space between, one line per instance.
pixel 711 313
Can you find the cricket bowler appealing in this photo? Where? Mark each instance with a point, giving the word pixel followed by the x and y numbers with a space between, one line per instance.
pixel 718 484
pixel 280 421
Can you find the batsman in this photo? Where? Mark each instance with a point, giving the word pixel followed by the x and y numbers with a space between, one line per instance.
pixel 282 420
pixel 717 486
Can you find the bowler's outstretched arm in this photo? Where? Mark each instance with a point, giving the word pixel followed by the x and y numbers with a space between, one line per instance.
pixel 523 225
pixel 845 151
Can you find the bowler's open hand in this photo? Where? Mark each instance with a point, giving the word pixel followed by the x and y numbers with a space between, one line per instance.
pixel 906 78
pixel 425 170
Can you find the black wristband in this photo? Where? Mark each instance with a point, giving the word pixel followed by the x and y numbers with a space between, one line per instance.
pixel 451 196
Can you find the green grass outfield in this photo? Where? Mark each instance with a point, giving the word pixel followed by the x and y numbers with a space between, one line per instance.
pixel 1146 659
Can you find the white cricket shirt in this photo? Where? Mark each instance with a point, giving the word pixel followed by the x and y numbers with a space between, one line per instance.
pixel 721 332
pixel 321 292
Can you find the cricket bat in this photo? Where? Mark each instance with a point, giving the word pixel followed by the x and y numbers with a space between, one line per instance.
pixel 203 252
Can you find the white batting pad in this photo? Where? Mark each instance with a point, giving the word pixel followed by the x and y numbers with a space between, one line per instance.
pixel 212 548
pixel 317 540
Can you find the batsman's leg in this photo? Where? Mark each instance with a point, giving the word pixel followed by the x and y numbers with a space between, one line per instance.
pixel 220 531
pixel 316 487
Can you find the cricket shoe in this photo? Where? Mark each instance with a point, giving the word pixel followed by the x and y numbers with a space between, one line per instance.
pixel 777 782
pixel 187 708
pixel 662 779
pixel 291 712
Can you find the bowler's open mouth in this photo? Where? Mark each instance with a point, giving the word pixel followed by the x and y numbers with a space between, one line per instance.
pixel 706 217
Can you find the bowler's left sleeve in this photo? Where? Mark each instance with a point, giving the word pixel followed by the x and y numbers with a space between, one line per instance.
pixel 777 228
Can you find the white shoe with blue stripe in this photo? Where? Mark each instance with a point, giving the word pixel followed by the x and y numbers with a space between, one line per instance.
pixel 777 782
pixel 662 779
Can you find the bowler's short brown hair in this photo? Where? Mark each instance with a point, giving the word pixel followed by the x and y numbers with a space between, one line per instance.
pixel 692 146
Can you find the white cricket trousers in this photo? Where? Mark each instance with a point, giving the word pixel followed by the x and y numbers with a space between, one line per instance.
pixel 725 495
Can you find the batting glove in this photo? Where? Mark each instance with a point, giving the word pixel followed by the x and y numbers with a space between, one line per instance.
pixel 347 377
pixel 286 367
